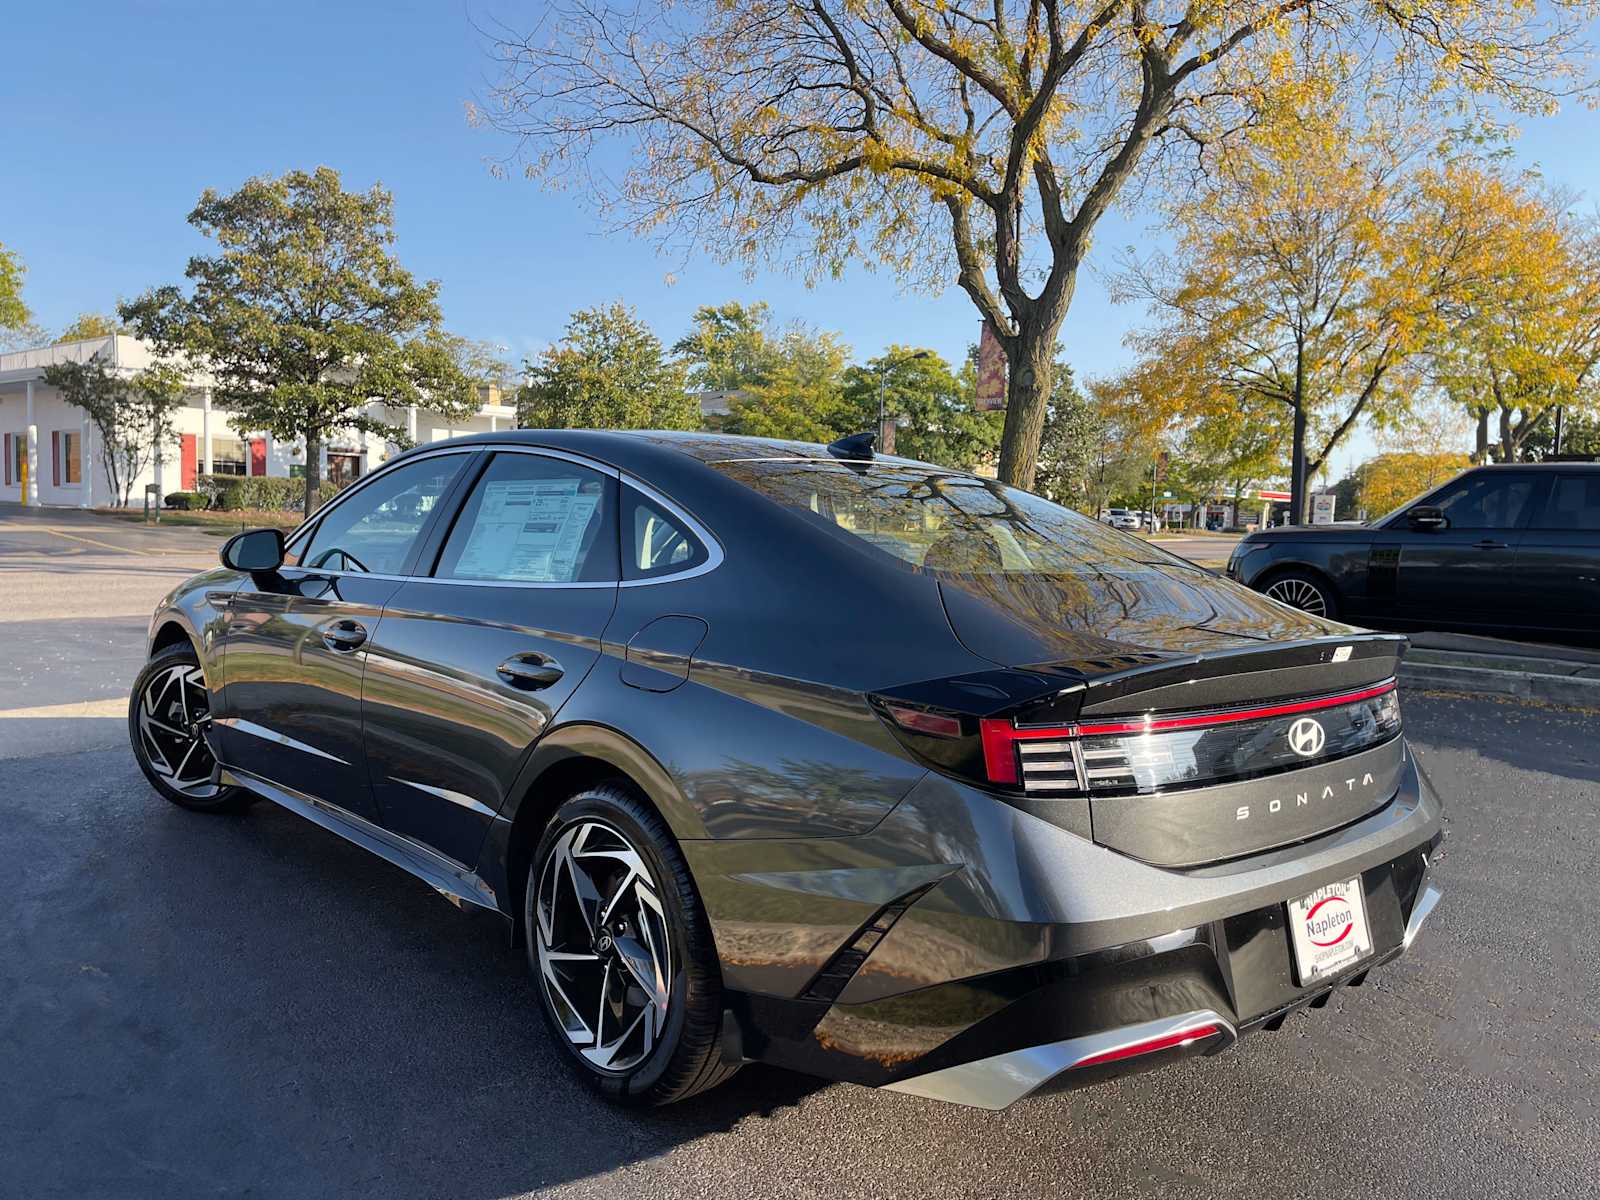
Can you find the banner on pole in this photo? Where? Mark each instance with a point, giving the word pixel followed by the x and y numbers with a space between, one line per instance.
pixel 991 391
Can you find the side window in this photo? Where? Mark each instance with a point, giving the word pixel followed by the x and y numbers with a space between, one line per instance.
pixel 376 529
pixel 655 542
pixel 1487 501
pixel 1574 504
pixel 532 519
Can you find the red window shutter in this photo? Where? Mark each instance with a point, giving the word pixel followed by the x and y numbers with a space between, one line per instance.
pixel 55 458
pixel 258 456
pixel 187 470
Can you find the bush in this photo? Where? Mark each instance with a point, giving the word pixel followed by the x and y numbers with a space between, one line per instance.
pixel 185 500
pixel 271 492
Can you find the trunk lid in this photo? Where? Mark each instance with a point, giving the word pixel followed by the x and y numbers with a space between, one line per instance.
pixel 1201 722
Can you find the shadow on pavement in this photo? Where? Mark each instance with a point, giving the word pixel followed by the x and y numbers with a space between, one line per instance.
pixel 204 1005
pixel 1517 733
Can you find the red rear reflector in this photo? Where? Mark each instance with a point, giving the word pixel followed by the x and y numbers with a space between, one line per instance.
pixel 919 720
pixel 1167 1041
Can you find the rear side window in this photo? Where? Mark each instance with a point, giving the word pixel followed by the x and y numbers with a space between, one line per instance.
pixel 1574 504
pixel 655 542
pixel 1487 501
pixel 532 519
pixel 946 521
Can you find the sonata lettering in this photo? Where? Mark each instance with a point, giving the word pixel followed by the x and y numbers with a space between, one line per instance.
pixel 1302 799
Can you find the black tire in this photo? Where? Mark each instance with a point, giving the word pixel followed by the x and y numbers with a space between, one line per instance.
pixel 684 1055
pixel 167 715
pixel 1304 590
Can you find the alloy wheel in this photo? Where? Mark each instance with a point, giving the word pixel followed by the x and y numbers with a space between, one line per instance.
pixel 174 714
pixel 604 944
pixel 1301 594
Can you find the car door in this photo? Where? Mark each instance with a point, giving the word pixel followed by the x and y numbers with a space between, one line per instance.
pixel 478 651
pixel 295 639
pixel 1558 562
pixel 1463 573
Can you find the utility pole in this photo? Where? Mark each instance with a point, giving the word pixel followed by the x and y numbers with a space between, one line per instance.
pixel 1155 465
pixel 1560 413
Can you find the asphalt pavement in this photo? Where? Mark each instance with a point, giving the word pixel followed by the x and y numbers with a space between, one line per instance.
pixel 248 1006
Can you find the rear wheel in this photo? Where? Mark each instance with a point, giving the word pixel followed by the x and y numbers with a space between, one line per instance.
pixel 169 714
pixel 629 980
pixel 1305 591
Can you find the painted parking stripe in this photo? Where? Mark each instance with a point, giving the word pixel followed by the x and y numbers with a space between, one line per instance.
pixel 115 706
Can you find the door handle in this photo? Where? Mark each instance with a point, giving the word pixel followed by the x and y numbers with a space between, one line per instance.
pixel 530 671
pixel 1487 544
pixel 344 636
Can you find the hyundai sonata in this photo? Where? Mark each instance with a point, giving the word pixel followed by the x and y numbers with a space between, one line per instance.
pixel 803 755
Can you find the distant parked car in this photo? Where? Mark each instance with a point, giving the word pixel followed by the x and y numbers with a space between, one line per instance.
pixel 1121 518
pixel 1511 549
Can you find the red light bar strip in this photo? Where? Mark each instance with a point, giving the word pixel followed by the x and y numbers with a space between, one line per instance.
pixel 1169 1041
pixel 1000 736
pixel 1232 717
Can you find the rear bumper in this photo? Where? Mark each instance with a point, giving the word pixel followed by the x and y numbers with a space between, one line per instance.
pixel 1017 966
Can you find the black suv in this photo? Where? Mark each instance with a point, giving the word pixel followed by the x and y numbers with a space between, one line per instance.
pixel 1509 549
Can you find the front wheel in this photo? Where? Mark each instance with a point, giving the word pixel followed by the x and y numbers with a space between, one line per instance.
pixel 1305 591
pixel 168 716
pixel 629 980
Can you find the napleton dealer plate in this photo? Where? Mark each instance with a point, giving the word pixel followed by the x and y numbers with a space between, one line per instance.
pixel 1329 929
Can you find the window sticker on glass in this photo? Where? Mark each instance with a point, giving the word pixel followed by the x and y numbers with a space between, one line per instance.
pixel 529 530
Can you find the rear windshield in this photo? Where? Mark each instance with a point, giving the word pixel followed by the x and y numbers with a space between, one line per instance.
pixel 946 521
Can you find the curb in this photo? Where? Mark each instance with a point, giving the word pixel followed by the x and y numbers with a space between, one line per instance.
pixel 1568 690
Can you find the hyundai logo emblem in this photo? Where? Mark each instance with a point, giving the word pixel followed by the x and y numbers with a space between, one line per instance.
pixel 1306 737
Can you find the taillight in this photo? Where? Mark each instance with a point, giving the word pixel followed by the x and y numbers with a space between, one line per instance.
pixel 922 720
pixel 1153 753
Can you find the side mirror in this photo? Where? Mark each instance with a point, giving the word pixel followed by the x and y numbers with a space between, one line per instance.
pixel 254 550
pixel 1427 517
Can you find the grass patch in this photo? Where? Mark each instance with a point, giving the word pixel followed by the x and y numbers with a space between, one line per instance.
pixel 223 524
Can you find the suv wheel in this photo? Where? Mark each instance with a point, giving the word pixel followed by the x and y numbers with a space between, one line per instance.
pixel 1302 590
pixel 168 716
pixel 629 982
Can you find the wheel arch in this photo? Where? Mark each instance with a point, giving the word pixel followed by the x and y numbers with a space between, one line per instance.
pixel 566 761
pixel 171 632
pixel 1278 570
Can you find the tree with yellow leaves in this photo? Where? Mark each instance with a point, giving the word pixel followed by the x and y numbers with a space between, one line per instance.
pixel 977 141
pixel 1311 270
pixel 1525 338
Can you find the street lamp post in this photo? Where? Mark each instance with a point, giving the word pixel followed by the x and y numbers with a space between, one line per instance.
pixel 885 426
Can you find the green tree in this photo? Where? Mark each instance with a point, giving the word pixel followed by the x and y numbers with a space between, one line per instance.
pixel 730 346
pixel 608 372
pixel 132 415
pixel 932 405
pixel 800 395
pixel 304 317
pixel 89 325
pixel 1070 450
pixel 14 313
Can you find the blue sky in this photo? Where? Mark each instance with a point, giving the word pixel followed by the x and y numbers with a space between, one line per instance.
pixel 114 117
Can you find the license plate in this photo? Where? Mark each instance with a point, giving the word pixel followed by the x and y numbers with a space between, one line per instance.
pixel 1329 930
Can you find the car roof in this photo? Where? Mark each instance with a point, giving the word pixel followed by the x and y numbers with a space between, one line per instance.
pixel 1575 464
pixel 637 449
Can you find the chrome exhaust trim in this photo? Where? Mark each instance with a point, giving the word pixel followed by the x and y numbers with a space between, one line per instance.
pixel 998 1082
pixel 1420 911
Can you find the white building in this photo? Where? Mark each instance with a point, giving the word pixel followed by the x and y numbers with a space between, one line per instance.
pixel 49 452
